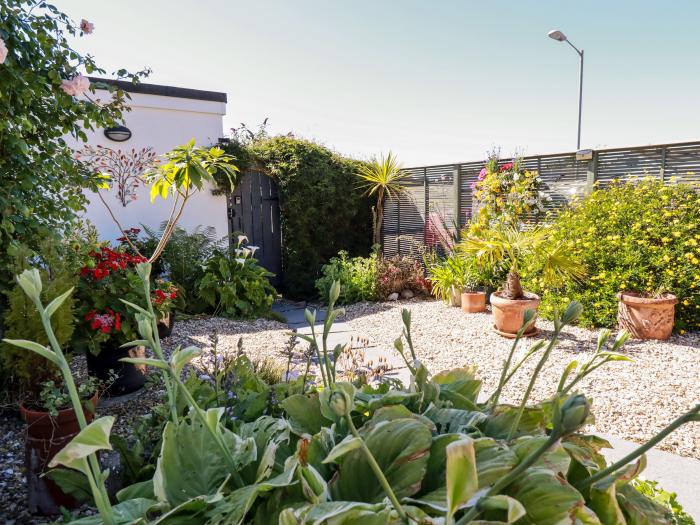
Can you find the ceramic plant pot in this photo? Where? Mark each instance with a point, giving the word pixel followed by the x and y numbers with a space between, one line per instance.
pixel 473 302
pixel 646 317
pixel 46 435
pixel 166 324
pixel 130 377
pixel 509 314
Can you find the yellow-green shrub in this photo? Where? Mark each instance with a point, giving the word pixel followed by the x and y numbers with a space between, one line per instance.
pixel 640 235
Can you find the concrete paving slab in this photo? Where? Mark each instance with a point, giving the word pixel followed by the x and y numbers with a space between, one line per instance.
pixel 674 473
pixel 296 316
pixel 338 327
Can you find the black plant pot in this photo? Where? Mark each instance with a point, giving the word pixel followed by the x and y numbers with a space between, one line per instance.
pixel 129 376
pixel 166 324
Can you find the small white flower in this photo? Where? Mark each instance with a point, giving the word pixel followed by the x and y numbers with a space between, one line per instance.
pixel 242 239
pixel 240 261
pixel 245 252
pixel 3 51
pixel 86 27
pixel 253 249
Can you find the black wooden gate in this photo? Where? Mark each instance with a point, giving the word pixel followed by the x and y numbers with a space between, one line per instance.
pixel 254 210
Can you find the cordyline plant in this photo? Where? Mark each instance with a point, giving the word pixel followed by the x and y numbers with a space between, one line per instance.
pixel 345 454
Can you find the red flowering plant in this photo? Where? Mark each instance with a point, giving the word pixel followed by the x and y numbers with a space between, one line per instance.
pixel 107 277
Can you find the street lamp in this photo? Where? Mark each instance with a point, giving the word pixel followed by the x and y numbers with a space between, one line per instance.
pixel 561 37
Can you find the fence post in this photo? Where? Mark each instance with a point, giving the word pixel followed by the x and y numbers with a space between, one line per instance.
pixel 663 165
pixel 456 195
pixel 591 172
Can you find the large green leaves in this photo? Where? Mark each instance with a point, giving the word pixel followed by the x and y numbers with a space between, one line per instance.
pixel 549 499
pixel 462 481
pixel 304 413
pixel 401 448
pixel 191 463
pixel 89 440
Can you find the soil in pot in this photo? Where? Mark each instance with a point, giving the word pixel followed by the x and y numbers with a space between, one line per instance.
pixel 166 324
pixel 509 314
pixel 46 435
pixel 646 317
pixel 130 377
pixel 473 302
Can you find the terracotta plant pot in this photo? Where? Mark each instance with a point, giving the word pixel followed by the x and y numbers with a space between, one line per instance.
pixel 46 435
pixel 455 298
pixel 509 314
pixel 473 302
pixel 646 317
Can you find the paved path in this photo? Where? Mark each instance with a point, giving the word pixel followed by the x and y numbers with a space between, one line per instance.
pixel 674 473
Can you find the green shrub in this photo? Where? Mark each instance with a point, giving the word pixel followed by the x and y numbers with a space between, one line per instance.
pixel 322 209
pixel 357 277
pixel 398 273
pixel 640 235
pixel 455 273
pixel 235 285
pixel 23 371
pixel 669 500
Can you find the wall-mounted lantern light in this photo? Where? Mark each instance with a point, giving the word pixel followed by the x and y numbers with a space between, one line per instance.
pixel 118 133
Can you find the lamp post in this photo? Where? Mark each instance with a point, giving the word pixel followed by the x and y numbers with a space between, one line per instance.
pixel 561 37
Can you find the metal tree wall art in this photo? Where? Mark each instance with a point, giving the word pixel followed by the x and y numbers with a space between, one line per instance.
pixel 124 168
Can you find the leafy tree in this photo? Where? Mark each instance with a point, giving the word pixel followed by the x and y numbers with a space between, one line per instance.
pixel 42 184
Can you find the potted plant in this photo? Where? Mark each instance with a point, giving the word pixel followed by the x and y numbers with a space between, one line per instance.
pixel 51 424
pixel 104 323
pixel 513 249
pixel 447 277
pixel 163 297
pixel 473 298
pixel 647 315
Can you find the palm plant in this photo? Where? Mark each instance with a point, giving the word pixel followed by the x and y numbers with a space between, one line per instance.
pixel 381 177
pixel 512 249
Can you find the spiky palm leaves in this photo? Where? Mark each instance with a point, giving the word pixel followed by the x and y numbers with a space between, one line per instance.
pixel 381 178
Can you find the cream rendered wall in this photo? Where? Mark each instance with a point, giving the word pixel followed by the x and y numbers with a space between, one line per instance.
pixel 162 123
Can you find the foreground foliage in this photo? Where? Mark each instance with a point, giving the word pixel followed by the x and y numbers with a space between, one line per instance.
pixel 344 453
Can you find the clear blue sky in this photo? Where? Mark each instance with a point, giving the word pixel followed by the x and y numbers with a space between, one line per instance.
pixel 434 81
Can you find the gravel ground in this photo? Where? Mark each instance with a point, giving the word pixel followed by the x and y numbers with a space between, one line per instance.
pixel 632 400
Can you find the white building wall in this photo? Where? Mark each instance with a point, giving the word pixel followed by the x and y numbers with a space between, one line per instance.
pixel 161 122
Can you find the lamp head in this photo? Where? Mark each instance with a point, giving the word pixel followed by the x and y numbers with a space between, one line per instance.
pixel 557 35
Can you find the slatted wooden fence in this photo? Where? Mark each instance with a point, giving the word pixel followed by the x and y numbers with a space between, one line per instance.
pixel 442 194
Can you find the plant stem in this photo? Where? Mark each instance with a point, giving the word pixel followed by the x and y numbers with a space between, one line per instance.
pixel 318 356
pixel 507 480
pixel 504 371
pixel 538 368
pixel 376 469
pixel 691 415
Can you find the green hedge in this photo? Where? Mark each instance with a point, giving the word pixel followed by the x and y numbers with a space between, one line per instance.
pixel 322 209
pixel 641 235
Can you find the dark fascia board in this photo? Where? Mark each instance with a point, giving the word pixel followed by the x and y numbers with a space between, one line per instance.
pixel 163 91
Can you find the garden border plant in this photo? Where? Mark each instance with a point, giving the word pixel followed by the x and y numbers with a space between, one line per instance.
pixel 433 448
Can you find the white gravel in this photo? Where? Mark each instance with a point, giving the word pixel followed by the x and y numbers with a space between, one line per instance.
pixel 632 400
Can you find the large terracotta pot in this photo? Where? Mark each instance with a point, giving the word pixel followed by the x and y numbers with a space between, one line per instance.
pixel 509 314
pixel 473 302
pixel 46 435
pixel 646 317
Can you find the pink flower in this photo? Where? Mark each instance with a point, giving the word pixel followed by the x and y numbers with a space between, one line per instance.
pixel 76 86
pixel 86 27
pixel 482 174
pixel 506 167
pixel 3 51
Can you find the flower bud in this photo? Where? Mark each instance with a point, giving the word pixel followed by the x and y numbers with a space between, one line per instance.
pixel 30 281
pixel 339 403
pixel 573 414
pixel 145 327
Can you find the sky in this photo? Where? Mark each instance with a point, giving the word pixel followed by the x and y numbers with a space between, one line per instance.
pixel 435 82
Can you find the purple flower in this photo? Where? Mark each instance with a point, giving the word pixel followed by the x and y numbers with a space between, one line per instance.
pixel 482 174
